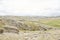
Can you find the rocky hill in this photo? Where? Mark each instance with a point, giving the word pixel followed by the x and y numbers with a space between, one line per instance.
pixel 23 23
pixel 26 28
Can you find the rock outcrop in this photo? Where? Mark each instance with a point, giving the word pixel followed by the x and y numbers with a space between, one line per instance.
pixel 11 29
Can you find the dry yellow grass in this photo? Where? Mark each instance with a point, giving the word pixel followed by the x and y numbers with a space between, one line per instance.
pixel 32 35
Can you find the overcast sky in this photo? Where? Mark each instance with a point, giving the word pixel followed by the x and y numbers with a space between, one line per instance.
pixel 30 7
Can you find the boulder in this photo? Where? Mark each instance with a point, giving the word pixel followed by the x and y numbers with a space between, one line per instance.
pixel 11 29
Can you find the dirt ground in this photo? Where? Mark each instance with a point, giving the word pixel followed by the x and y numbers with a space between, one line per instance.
pixel 32 35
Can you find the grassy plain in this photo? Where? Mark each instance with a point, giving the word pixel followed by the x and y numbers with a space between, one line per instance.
pixel 51 22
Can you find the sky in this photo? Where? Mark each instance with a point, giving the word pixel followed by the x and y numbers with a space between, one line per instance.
pixel 30 7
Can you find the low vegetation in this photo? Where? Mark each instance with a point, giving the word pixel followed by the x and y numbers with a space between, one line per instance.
pixel 51 22
pixel 29 28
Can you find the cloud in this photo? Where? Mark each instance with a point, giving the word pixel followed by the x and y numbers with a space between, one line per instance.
pixel 30 7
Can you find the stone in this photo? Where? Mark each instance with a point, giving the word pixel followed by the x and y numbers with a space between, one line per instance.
pixel 11 29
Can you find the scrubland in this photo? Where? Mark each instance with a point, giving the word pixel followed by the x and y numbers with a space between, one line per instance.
pixel 30 28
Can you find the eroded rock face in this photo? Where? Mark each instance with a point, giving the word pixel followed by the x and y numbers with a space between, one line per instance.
pixel 11 29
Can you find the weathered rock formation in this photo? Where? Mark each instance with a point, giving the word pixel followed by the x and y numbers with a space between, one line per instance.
pixel 11 29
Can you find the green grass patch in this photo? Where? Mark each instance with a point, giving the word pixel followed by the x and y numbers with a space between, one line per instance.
pixel 51 22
